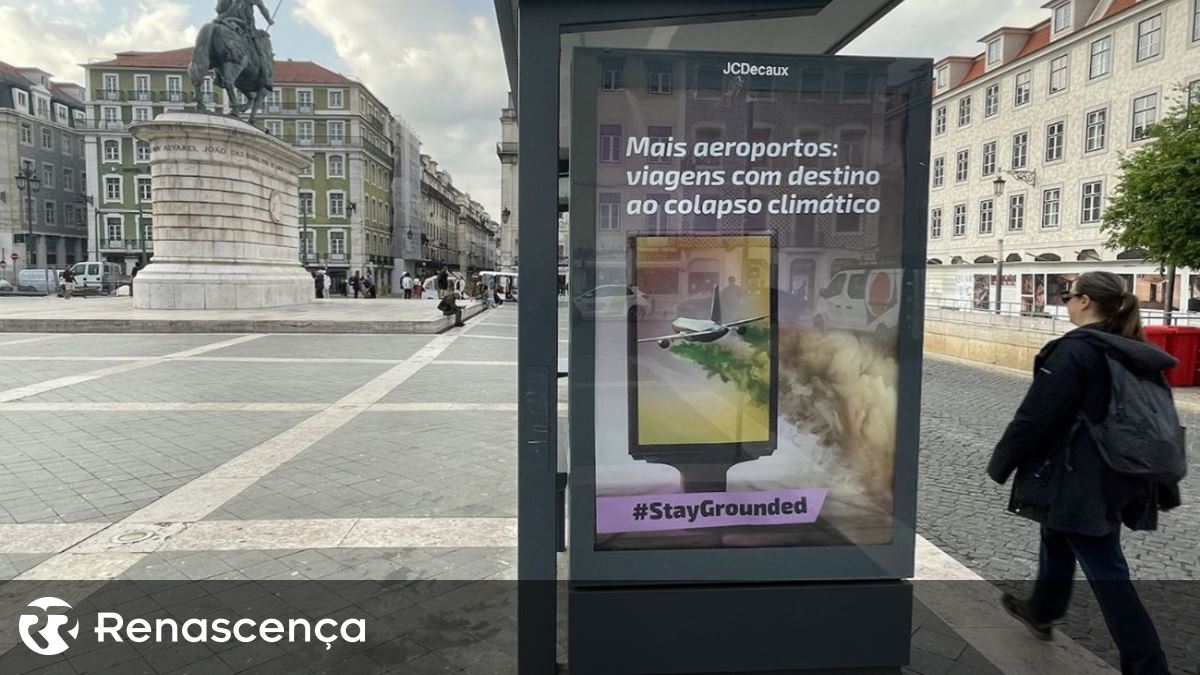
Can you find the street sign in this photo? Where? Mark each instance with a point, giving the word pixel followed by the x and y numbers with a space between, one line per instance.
pixel 3 264
pixel 14 256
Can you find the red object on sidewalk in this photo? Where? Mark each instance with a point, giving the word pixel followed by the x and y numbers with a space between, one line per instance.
pixel 1182 342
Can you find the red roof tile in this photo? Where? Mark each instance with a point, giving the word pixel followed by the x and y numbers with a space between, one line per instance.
pixel 1038 40
pixel 305 72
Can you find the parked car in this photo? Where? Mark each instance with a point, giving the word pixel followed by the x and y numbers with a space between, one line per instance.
pixel 612 301
pixel 45 281
pixel 104 277
pixel 860 300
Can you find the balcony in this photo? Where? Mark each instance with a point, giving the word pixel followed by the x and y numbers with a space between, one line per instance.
pixel 506 149
pixel 377 123
pixel 304 108
pixel 128 245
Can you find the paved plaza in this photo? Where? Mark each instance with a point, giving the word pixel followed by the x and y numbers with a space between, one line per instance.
pixel 283 457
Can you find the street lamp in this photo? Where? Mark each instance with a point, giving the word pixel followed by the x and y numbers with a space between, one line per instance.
pixel 29 183
pixel 998 191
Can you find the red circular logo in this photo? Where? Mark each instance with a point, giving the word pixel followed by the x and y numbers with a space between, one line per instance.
pixel 879 297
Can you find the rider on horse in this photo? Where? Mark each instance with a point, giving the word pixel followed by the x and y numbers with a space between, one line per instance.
pixel 239 16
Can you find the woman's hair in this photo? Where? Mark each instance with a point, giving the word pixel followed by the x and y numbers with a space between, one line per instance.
pixel 1120 309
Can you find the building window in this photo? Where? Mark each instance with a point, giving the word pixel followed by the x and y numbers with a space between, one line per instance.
pixel 1058 74
pixel 962 166
pixel 48 172
pixel 1024 88
pixel 1016 213
pixel 336 101
pixel 1145 113
pixel 26 133
pixel 939 171
pixel 612 76
pixel 337 205
pixel 1054 141
pixel 610 211
pixel 1051 204
pixel 960 220
pixel 304 132
pixel 304 100
pixel 306 203
pixel 991 101
pixel 174 89
pixel 1062 17
pixel 964 111
pixel 939 119
pixel 114 228
pixel 141 114
pixel 65 144
pixel 986 216
pixel 141 151
pixel 143 189
pixel 659 78
pixel 659 134
pixel 1100 61
pixel 337 242
pixel 60 114
pixel 1020 150
pixel 47 139
pixel 112 90
pixel 1149 38
pixel 51 211
pixel 68 180
pixel 941 78
pixel 274 128
pixel 610 143
pixel 709 81
pixel 112 151
pixel 935 224
pixel 337 166
pixel 993 52
pixel 111 117
pixel 148 229
pixel 1093 199
pixel 337 133
pixel 112 189
pixel 307 171
pixel 1097 122
pixel 307 241
pixel 989 158
pixel 22 101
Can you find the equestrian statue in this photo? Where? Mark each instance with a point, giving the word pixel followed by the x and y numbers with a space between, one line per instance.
pixel 238 54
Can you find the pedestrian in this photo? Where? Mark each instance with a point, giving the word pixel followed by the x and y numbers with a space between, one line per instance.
pixel 1065 476
pixel 418 289
pixel 369 286
pixel 68 278
pixel 443 283
pixel 328 283
pixel 356 284
pixel 319 283
pixel 406 283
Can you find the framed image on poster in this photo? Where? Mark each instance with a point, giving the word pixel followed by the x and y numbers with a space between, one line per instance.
pixel 806 496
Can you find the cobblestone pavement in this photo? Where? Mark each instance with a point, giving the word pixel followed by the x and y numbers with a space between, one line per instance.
pixel 236 458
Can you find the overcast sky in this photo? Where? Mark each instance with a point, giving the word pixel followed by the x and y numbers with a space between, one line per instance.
pixel 436 63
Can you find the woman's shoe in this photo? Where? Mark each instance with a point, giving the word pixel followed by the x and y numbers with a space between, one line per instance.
pixel 1020 611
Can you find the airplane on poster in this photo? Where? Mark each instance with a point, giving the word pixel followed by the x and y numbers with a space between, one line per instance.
pixel 703 330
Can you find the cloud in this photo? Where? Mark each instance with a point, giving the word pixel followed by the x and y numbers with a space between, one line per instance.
pixel 59 35
pixel 436 63
pixel 939 28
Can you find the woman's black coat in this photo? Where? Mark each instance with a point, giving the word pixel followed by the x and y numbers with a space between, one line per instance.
pixel 1062 482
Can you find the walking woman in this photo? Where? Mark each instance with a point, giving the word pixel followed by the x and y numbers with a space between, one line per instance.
pixel 1064 483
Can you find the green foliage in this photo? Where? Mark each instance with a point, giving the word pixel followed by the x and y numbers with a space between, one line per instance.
pixel 749 371
pixel 1156 206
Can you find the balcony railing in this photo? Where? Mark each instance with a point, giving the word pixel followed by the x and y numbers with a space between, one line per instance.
pixel 145 96
pixel 125 244
pixel 506 148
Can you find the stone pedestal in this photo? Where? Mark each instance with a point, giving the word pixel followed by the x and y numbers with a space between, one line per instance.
pixel 225 211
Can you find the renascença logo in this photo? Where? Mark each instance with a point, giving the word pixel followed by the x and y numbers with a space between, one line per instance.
pixel 113 627
pixel 51 633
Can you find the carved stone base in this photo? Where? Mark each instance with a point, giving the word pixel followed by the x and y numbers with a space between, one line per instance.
pixel 225 211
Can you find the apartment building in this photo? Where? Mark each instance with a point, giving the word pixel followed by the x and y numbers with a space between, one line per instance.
pixel 1026 147
pixel 41 136
pixel 345 195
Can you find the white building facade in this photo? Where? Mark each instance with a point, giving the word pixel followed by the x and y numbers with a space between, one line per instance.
pixel 1049 111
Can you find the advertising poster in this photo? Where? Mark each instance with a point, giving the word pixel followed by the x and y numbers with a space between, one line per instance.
pixel 1151 291
pixel 748 216
pixel 982 296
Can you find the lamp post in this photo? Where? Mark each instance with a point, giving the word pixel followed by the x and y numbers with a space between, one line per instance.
pixel 998 191
pixel 29 183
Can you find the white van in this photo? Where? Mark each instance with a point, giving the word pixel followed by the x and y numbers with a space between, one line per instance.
pixel 105 277
pixel 46 281
pixel 860 300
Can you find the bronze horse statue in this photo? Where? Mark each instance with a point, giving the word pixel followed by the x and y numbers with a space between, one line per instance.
pixel 237 63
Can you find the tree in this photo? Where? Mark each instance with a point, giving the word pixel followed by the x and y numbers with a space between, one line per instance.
pixel 1156 205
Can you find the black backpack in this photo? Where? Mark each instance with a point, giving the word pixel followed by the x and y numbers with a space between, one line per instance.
pixel 1141 435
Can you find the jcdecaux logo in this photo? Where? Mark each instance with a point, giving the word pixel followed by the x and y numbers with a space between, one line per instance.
pixel 44 629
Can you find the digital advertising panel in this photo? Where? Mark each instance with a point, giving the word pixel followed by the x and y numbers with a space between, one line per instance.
pixel 745 217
